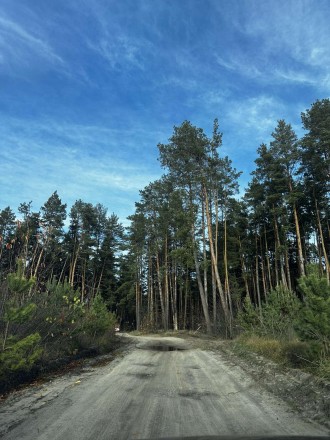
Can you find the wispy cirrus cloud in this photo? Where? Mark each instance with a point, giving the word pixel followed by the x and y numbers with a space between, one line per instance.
pixel 21 46
pixel 255 118
pixel 121 52
pixel 85 162
pixel 285 43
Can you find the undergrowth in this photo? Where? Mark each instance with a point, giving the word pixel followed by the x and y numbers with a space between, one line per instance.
pixel 307 356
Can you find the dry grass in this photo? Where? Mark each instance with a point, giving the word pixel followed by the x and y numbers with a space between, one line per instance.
pixel 307 356
pixel 268 347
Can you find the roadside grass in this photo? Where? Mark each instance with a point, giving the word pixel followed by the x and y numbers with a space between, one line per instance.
pixel 307 356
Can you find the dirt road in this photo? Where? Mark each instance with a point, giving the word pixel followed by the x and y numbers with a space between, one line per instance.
pixel 160 387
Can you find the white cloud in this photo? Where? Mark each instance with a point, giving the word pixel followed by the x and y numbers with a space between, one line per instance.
pixel 80 162
pixel 18 45
pixel 239 64
pixel 256 116
pixel 284 42
pixel 120 51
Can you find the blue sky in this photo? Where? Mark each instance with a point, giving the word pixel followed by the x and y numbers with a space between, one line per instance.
pixel 89 88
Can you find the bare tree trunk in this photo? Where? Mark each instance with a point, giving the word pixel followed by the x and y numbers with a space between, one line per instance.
pixel 99 283
pixel 214 299
pixel 201 290
pixel 83 280
pixel 174 297
pixel 215 266
pixel 321 236
pixel 225 257
pixel 137 303
pixel 279 253
pixel 160 289
pixel 264 285
pixel 167 295
pixel 301 265
pixel 150 294
pixel 244 270
pixel 204 253
pixel 33 259
pixel 257 276
pixel 186 300
pixel 268 261
pixel 214 284
pixel 288 269
pixel 62 271
pixel 73 267
pixel 38 263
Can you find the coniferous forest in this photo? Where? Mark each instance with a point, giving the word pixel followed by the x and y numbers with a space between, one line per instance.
pixel 196 255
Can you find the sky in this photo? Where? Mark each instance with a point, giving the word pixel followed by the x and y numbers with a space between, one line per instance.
pixel 88 88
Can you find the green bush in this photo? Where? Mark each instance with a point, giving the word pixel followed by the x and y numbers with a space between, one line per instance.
pixel 19 349
pixel 97 328
pixel 299 354
pixel 18 284
pixel 276 316
pixel 249 318
pixel 279 313
pixel 19 355
pixel 19 315
pixel 98 320
pixel 313 320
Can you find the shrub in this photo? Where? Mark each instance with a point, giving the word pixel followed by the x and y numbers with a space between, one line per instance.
pixel 19 355
pixel 268 347
pixel 278 313
pixel 249 318
pixel 300 354
pixel 324 368
pixel 275 318
pixel 97 327
pixel 98 319
pixel 313 321
pixel 19 350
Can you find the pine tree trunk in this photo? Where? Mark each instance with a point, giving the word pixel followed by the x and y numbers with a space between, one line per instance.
pixel 214 299
pixel 244 270
pixel 73 267
pixel 264 285
pixel 215 266
pixel 83 281
pixel 214 284
pixel 160 289
pixel 301 266
pixel 288 269
pixel 38 263
pixel 167 293
pixel 204 253
pixel 137 303
pixel 268 261
pixel 201 290
pixel 257 275
pixel 151 294
pixel 321 235
pixel 278 254
pixel 174 300
pixel 225 257
pixel 186 300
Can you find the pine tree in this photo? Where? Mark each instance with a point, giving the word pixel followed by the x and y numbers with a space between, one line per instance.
pixel 315 168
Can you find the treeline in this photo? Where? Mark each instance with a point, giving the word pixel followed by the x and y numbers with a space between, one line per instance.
pixel 58 284
pixel 199 251
pixel 194 257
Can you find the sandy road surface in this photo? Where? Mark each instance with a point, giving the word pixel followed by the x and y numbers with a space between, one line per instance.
pixel 152 393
